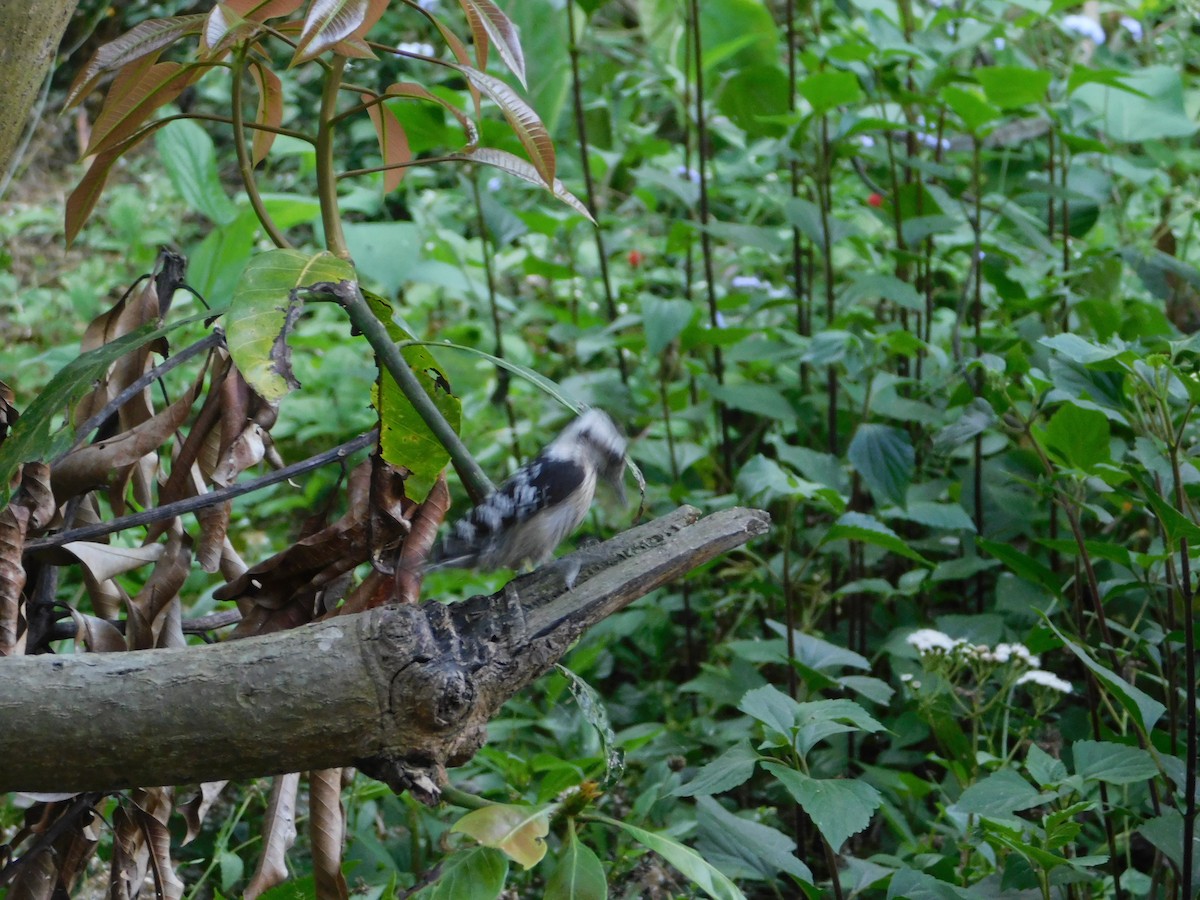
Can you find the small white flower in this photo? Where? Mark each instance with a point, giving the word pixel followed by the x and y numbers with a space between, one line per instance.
pixel 906 677
pixel 421 49
pixel 1045 679
pixel 428 5
pixel 865 140
pixel 1085 27
pixel 933 141
pixel 999 43
pixel 494 184
pixel 1133 26
pixel 690 174
pixel 1005 652
pixel 747 283
pixel 930 640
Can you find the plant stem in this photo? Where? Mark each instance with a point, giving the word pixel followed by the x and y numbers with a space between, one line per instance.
pixel 349 296
pixel 335 240
pixel 245 165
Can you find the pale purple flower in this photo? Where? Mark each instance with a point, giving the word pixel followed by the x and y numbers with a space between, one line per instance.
pixel 688 173
pixel 747 283
pixel 494 184
pixel 865 140
pixel 1133 26
pixel 999 43
pixel 1084 26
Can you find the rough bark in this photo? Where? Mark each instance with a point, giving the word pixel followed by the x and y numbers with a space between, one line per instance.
pixel 398 691
pixel 29 37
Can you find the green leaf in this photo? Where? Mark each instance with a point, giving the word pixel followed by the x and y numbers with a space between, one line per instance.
pixel 910 884
pixel 828 89
pixel 820 654
pixel 759 399
pixel 1011 87
pixel 264 309
pixel 885 458
pixel 1021 564
pixel 1044 768
pixel 948 516
pixel 664 320
pixel 189 157
pixel 690 864
pixel 404 437
pixel 773 708
pixel 1080 350
pixel 976 418
pixel 838 807
pixel 740 846
pixel 1148 106
pixel 869 287
pixel 476 874
pixel 1078 436
pixel 1145 710
pixel 762 480
pixel 578 875
pixel 727 771
pixel 1000 794
pixel 520 831
pixel 969 106
pixel 1165 833
pixel 1112 763
pixel 854 526
pixel 591 704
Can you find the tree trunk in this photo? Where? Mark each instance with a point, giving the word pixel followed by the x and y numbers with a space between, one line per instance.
pixel 29 38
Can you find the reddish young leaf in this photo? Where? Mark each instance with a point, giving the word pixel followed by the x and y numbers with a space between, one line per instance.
pixel 261 10
pixel 417 92
pixel 270 110
pixel 327 22
pixel 393 144
pixel 488 21
pixel 83 199
pixel 136 93
pixel 514 165
pixel 139 42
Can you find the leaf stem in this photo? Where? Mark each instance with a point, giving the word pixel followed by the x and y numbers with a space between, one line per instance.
pixel 335 240
pixel 245 165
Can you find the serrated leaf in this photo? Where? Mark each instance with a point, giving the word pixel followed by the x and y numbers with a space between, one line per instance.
pixel 838 807
pixel 885 458
pixel 689 863
pixel 519 831
pixel 736 843
pixel 263 310
pixel 1112 763
pixel 1002 794
pixel 976 418
pixel 727 771
pixel 1079 437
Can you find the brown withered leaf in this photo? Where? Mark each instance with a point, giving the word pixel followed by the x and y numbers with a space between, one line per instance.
pixel 214 524
pixel 327 832
pixel 8 412
pixel 278 835
pixel 96 635
pixel 146 625
pixel 103 561
pixel 152 808
pixel 74 849
pixel 109 461
pixel 31 507
pixel 195 810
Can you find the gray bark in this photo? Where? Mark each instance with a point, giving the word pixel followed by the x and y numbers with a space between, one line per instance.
pixel 29 37
pixel 400 691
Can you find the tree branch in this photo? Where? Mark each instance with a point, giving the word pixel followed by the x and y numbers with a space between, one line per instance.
pixel 398 691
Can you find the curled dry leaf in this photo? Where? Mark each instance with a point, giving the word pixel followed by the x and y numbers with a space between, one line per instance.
pixel 152 808
pixel 146 627
pixel 195 810
pixel 8 412
pixel 97 635
pixel 327 832
pixel 31 508
pixel 278 835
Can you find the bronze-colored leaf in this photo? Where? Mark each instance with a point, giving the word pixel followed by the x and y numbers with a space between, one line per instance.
pixel 278 835
pixel 417 92
pixel 489 24
pixel 31 507
pixel 270 110
pixel 82 199
pixel 521 117
pixel 326 23
pixel 142 40
pixel 393 145
pixel 152 809
pixel 8 412
pixel 514 165
pixel 327 833
pixel 136 93
pixel 147 626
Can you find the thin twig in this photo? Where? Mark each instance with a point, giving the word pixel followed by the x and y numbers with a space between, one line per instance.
pixel 191 504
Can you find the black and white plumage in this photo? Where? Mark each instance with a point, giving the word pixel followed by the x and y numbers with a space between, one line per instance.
pixel 544 501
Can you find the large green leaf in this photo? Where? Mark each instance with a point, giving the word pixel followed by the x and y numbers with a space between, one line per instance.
pixel 854 526
pixel 1156 111
pixel 190 159
pixel 476 874
pixel 837 806
pixel 727 771
pixel 578 875
pixel 264 309
pixel 690 863
pixel 745 848
pixel 1113 763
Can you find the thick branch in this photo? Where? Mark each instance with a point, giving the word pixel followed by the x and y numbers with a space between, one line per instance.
pixel 399 691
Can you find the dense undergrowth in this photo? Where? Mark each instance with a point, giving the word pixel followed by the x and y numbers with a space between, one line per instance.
pixel 918 279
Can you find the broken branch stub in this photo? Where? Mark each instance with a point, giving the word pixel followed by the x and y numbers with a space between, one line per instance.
pixel 399 691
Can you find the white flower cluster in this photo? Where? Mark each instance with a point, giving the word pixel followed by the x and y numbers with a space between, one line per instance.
pixel 930 641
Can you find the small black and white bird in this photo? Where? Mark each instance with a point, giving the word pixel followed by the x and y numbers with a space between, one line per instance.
pixel 544 501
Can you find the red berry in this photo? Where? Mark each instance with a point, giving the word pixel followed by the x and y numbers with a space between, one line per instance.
pixel 635 258
pixel 875 200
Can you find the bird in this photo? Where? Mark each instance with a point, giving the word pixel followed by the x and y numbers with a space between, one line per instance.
pixel 524 520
